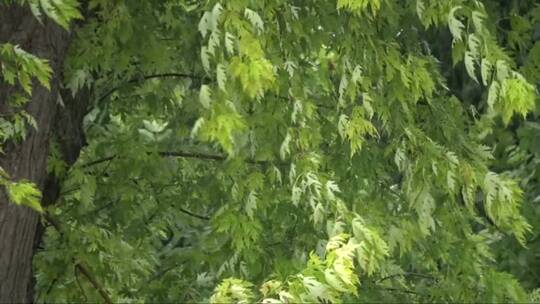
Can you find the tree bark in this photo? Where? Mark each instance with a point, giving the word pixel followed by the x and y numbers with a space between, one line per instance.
pixel 19 226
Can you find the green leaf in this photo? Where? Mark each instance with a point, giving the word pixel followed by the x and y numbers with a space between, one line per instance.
pixel 516 96
pixel 205 96
pixel 456 27
pixel 24 193
pixel 470 63
pixel 61 11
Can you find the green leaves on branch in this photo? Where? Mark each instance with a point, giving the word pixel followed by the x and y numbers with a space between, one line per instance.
pixel 23 192
pixel 502 204
pixel 255 75
pixel 323 279
pixel 222 125
pixel 359 5
pixel 517 96
pixel 513 96
pixel 355 129
pixel 233 291
pixel 17 67
pixel 61 11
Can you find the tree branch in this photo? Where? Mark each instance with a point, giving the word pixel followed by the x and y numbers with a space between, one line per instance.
pixel 156 276
pixel 403 291
pixel 146 77
pixel 202 217
pixel 88 274
pixel 187 154
pixel 79 285
pixel 407 274
pixel 54 222
pixel 184 154
pixel 98 161
pixel 53 282
pixel 156 194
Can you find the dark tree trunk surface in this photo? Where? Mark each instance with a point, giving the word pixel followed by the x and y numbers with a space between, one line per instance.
pixel 20 228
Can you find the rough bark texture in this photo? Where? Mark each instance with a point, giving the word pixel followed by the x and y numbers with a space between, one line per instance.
pixel 19 232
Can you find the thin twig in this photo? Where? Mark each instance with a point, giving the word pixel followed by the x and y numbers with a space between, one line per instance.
pixel 202 217
pixel 53 282
pixel 407 274
pixel 156 276
pixel 403 291
pixel 98 209
pixel 98 161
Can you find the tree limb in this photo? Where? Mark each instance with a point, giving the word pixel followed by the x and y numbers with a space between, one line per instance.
pixel 146 77
pixel 92 279
pixel 184 154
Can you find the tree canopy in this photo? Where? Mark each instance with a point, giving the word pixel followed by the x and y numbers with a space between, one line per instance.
pixel 289 151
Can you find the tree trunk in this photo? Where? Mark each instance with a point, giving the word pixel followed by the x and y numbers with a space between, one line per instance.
pixel 27 160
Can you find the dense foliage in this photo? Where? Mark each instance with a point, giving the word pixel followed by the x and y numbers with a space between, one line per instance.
pixel 293 151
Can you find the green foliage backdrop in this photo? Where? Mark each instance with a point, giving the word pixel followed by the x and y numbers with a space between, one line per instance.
pixel 294 151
